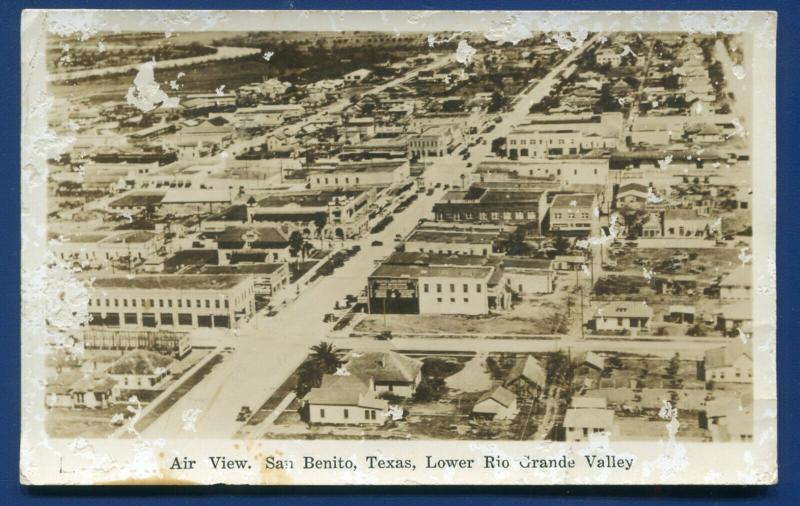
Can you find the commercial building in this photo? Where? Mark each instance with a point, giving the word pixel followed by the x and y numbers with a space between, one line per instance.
pixel 252 244
pixel 484 205
pixel 268 278
pixel 414 283
pixel 543 136
pixel 337 213
pixel 574 213
pixel 528 275
pixel 171 302
pixel 368 173
pixel 434 141
pixel 452 239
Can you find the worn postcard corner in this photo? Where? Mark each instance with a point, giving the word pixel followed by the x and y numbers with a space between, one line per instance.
pixel 447 247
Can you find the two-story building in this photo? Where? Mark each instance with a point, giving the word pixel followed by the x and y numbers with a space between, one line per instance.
pixel 171 302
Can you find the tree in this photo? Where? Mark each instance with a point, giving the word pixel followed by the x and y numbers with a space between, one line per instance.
pixel 251 201
pixel 296 244
pixel 516 245
pixel 326 357
pixel 495 103
pixel 561 243
pixel 320 220
pixel 674 365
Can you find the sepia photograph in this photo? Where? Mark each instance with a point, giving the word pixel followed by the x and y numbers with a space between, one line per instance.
pixel 440 245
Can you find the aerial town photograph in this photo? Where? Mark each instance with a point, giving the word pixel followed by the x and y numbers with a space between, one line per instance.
pixel 398 235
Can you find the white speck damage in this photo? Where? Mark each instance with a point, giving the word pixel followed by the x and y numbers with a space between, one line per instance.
pixel 146 94
pixel 465 52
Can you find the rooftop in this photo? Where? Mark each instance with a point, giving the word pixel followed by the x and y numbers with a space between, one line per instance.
pixel 529 369
pixel 589 418
pixel 384 366
pixel 140 362
pixel 726 355
pixel 624 309
pixel 577 200
pixel 172 282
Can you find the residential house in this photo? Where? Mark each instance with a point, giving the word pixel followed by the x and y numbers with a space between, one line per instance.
pixel 141 370
pixel 527 379
pixel 737 285
pixel 346 400
pixel 622 315
pixel 580 423
pixel 94 390
pixel 608 56
pixel 732 363
pixel 389 371
pixel 496 404
pixel 735 317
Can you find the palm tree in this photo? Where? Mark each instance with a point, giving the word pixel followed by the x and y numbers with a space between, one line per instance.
pixel 326 357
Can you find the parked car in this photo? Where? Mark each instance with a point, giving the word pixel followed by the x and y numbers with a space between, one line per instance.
pixel 398 237
pixel 244 414
pixel 430 192
pixel 377 243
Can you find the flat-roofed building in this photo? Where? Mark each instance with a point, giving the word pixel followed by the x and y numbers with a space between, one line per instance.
pixel 342 213
pixel 172 302
pixel 434 141
pixel 528 275
pixel 360 174
pixel 252 244
pixel 487 205
pixel 455 240
pixel 415 283
pixel 574 213
pixel 544 136
pixel 268 278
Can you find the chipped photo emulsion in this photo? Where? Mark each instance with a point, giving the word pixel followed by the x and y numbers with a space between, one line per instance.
pixel 398 247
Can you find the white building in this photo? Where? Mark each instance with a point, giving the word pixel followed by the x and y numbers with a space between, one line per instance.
pixel 580 423
pixel 732 363
pixel 346 400
pixel 171 302
pixel 622 315
pixel 737 285
pixel 360 174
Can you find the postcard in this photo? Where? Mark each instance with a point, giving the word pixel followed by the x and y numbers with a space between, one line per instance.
pixel 398 248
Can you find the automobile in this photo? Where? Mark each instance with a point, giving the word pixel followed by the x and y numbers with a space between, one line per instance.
pixel 385 335
pixel 272 312
pixel 438 185
pixel 377 243
pixel 430 192
pixel 446 187
pixel 350 298
pixel 398 237
pixel 329 317
pixel 355 249
pixel 469 164
pixel 244 414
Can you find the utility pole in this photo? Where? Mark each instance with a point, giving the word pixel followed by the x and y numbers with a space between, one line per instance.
pixel 583 336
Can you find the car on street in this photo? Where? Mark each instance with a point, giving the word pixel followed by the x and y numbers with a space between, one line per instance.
pixel 244 414
pixel 377 243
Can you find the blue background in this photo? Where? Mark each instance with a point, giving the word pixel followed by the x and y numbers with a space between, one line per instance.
pixel 788 104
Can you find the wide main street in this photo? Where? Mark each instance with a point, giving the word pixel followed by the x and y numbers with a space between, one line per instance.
pixel 269 349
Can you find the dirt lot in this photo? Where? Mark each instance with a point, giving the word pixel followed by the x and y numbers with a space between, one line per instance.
pixel 708 264
pixel 532 316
